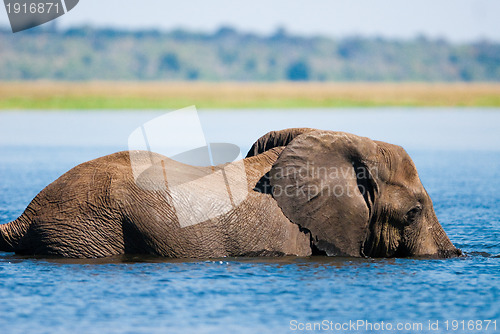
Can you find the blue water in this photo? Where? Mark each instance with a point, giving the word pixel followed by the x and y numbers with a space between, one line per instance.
pixel 457 153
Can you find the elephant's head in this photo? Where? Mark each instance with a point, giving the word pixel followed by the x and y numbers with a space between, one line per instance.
pixel 356 196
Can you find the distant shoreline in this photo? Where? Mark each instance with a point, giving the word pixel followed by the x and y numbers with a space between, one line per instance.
pixel 54 95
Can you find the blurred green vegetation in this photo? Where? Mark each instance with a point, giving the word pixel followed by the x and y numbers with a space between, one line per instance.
pixel 87 53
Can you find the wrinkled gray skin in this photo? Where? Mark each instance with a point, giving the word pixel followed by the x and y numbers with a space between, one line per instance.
pixel 370 202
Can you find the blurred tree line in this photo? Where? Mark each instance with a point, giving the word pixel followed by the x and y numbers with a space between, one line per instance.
pixel 87 53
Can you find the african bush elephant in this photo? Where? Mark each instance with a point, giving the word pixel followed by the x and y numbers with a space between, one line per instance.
pixel 303 192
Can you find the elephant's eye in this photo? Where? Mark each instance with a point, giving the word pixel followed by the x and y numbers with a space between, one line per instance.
pixel 413 214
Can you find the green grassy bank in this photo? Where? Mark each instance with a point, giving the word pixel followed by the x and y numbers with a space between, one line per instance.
pixel 160 95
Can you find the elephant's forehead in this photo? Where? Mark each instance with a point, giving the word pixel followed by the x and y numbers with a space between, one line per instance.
pixel 329 139
pixel 396 166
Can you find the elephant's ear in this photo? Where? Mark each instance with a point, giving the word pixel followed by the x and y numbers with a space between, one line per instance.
pixel 322 182
pixel 275 139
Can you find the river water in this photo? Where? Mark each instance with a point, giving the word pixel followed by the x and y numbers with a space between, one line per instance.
pixel 457 153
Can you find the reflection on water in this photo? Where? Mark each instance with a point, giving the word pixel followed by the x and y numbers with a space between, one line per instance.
pixel 311 261
pixel 148 294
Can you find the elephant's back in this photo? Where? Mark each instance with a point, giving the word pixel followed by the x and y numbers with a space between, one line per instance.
pixel 84 184
pixel 75 216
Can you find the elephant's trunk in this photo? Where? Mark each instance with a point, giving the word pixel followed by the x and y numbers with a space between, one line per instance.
pixel 436 241
pixel 444 245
